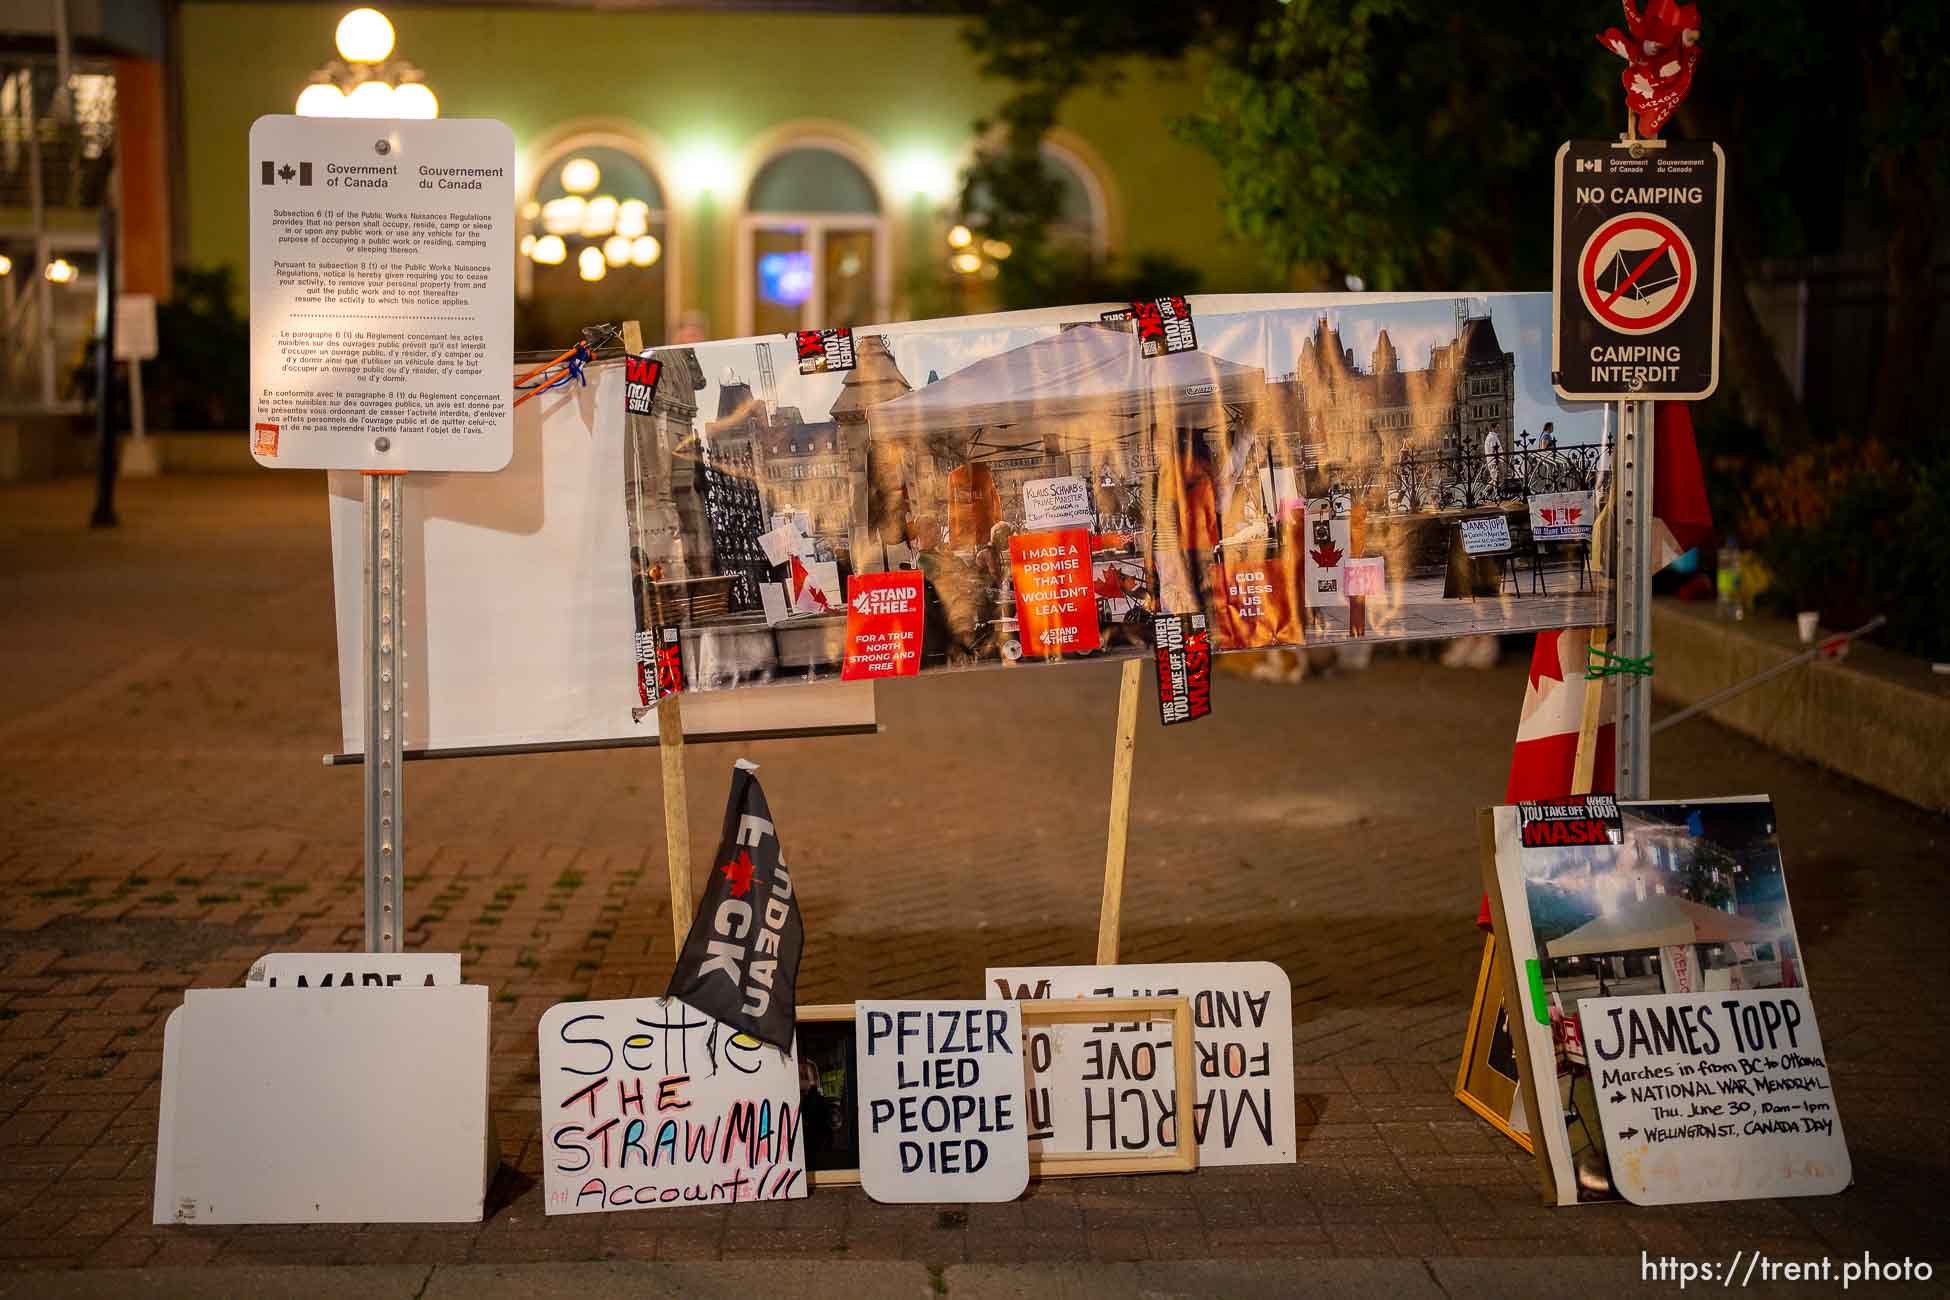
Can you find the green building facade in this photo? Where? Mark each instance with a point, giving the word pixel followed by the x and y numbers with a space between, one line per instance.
pixel 790 170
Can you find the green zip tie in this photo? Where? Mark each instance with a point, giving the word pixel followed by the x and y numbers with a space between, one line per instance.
pixel 1603 663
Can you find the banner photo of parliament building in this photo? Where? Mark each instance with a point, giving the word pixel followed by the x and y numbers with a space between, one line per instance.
pixel 1038 486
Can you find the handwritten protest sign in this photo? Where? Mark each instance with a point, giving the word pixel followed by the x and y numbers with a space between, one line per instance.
pixel 1053 597
pixel 324 970
pixel 1109 1087
pixel 1062 502
pixel 646 1102
pixel 1486 536
pixel 1715 1096
pixel 1366 575
pixel 941 1101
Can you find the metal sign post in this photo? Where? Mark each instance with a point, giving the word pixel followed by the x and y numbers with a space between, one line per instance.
pixel 1633 496
pixel 1635 315
pixel 385 719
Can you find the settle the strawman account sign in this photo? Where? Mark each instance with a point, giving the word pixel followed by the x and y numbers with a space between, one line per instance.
pixel 1636 280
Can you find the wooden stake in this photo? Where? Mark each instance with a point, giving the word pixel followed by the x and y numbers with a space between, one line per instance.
pixel 1583 768
pixel 670 751
pixel 677 816
pixel 1109 920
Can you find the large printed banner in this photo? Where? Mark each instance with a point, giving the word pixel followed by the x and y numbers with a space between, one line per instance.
pixel 1297 468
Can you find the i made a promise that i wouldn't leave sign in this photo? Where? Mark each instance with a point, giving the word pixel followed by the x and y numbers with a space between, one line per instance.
pixel 941 1101
pixel 1715 1096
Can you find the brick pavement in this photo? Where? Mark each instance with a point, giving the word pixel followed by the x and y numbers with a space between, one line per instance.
pixel 166 691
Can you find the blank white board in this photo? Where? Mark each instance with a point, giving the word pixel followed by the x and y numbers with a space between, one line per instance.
pixel 285 1106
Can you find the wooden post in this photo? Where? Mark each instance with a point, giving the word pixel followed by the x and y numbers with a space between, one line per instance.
pixel 1109 920
pixel 670 750
pixel 677 816
pixel 1583 768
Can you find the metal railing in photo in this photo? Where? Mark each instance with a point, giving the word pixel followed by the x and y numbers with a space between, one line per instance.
pixel 1467 480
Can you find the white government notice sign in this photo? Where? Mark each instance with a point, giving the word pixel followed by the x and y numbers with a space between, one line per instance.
pixel 1715 1096
pixel 1109 1087
pixel 382 293
pixel 941 1101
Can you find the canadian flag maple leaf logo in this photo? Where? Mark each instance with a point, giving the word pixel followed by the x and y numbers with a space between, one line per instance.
pixel 1327 556
pixel 287 171
pixel 739 872
pixel 1571 514
pixel 862 604
pixel 1549 513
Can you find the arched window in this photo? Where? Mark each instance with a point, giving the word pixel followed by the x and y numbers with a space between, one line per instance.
pixel 1082 217
pixel 593 245
pixel 1080 232
pixel 813 246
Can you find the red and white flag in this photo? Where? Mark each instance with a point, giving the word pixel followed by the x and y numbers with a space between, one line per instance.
pixel 1681 518
pixel 1545 757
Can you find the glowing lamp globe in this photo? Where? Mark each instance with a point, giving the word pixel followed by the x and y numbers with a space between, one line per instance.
pixel 370 99
pixel 365 36
pixel 414 100
pixel 321 99
pixel 580 175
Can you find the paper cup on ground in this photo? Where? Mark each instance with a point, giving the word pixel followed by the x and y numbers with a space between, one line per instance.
pixel 1807 622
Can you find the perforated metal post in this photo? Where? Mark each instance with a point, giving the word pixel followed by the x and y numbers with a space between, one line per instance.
pixel 385 719
pixel 1634 589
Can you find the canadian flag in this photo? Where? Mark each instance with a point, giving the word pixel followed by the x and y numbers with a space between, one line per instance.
pixel 806 595
pixel 1543 761
pixel 1545 757
pixel 1681 518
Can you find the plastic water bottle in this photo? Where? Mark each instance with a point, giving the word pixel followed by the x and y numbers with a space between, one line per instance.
pixel 1730 604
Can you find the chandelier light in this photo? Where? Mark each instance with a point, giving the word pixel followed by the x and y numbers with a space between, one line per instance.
pixel 366 80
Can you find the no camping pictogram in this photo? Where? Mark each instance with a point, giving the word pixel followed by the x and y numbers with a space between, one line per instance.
pixel 1637 273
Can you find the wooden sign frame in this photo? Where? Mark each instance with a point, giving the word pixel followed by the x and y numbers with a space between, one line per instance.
pixel 828 1013
pixel 1181 1158
pixel 1479 1084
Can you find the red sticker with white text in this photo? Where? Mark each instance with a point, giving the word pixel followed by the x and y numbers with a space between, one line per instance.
pixel 264 440
pixel 1184 667
pixel 1055 605
pixel 884 625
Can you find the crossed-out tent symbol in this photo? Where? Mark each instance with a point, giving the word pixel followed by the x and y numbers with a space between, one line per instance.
pixel 1637 273
pixel 1640 281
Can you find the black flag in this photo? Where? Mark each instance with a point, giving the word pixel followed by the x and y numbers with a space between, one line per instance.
pixel 741 960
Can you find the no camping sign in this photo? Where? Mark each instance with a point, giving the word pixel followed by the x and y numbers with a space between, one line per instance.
pixel 1636 285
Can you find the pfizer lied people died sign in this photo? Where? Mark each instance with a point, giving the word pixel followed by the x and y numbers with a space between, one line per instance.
pixel 1056 484
pixel 382 293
